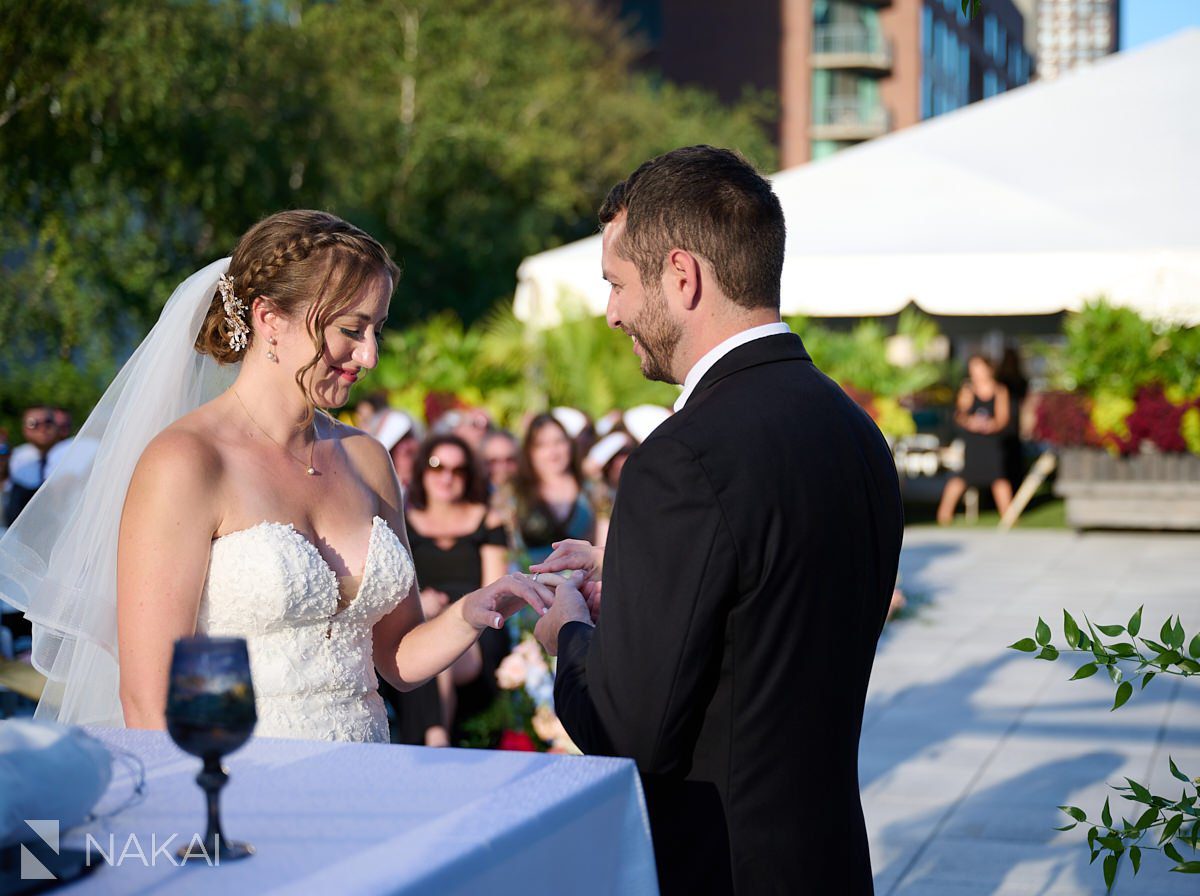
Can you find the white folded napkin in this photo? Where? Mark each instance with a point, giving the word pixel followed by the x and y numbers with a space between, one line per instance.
pixel 48 771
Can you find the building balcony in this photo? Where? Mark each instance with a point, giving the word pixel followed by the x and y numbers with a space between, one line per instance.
pixel 849 119
pixel 851 47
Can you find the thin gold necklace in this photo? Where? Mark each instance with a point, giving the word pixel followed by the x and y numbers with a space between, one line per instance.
pixel 308 468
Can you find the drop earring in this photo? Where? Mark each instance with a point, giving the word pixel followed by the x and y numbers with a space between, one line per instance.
pixel 270 354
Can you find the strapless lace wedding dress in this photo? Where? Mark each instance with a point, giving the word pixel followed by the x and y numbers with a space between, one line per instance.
pixel 309 634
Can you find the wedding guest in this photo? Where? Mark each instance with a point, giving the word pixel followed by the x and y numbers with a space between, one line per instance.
pixel 763 515
pixel 578 426
pixel 30 462
pixel 468 423
pixel 5 481
pixel 982 413
pixel 474 424
pixel 457 545
pixel 395 430
pixel 404 458
pixel 499 450
pixel 1011 373
pixel 551 501
pixel 603 466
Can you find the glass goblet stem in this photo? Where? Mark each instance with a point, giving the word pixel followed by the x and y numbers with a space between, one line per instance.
pixel 211 779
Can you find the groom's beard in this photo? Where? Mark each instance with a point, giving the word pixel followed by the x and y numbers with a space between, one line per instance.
pixel 658 336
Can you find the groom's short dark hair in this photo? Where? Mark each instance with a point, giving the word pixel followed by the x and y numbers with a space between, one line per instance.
pixel 712 203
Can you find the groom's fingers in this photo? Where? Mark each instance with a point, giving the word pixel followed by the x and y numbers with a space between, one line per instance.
pixel 571 554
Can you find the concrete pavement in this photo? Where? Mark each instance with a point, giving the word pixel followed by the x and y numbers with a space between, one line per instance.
pixel 968 747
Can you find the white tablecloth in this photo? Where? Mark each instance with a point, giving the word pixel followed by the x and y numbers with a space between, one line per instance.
pixel 378 818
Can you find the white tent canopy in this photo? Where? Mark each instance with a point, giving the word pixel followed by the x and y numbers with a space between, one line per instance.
pixel 1031 202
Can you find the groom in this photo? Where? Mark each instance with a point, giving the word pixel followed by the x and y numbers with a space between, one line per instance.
pixel 750 560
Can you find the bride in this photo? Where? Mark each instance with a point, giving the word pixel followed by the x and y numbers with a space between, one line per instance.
pixel 222 501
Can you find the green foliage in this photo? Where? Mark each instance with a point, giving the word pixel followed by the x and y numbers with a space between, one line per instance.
pixel 1112 351
pixel 501 365
pixel 1174 822
pixel 858 357
pixel 138 140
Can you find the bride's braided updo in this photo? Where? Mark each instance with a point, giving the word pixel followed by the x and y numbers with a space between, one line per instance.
pixel 306 264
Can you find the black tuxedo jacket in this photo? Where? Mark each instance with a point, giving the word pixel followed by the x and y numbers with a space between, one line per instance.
pixel 750 562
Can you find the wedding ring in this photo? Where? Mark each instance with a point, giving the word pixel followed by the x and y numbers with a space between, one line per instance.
pixel 535 576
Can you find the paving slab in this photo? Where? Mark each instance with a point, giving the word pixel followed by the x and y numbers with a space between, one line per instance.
pixel 969 747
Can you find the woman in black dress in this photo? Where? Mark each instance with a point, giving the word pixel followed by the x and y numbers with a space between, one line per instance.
pixel 982 413
pixel 457 545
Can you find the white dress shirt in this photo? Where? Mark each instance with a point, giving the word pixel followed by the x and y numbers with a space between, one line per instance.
pixel 714 355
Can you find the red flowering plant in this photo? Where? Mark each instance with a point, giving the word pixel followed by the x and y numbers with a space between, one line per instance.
pixel 1155 421
pixel 1127 384
pixel 1064 419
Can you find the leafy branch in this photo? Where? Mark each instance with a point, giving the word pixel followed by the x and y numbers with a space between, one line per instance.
pixel 1176 822
pixel 1173 817
pixel 1166 655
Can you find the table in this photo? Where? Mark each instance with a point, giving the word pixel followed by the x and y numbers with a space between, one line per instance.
pixel 377 818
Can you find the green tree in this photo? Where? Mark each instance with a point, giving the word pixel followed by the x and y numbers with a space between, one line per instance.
pixel 139 139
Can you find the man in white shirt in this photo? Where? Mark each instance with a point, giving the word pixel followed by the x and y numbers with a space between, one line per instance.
pixel 751 559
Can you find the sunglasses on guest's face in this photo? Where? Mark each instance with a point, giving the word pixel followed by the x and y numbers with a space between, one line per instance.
pixel 436 465
pixel 506 459
pixel 38 422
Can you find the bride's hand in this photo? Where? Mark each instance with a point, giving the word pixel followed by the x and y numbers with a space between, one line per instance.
pixel 492 604
pixel 572 554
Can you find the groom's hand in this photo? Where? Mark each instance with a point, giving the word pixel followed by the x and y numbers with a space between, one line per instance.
pixel 569 605
pixel 572 554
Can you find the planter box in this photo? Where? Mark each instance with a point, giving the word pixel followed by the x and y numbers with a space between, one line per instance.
pixel 1146 491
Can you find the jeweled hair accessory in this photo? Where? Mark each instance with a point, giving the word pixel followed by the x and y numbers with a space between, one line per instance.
pixel 235 315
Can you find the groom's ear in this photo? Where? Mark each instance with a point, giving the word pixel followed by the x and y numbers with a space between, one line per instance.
pixel 682 278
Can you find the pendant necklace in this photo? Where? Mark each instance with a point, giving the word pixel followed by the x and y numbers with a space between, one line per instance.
pixel 308 468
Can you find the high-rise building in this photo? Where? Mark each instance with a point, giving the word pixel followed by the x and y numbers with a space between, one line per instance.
pixel 845 71
pixel 1072 33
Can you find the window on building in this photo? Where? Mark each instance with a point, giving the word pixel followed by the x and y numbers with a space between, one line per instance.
pixel 964 75
pixel 991 84
pixel 824 148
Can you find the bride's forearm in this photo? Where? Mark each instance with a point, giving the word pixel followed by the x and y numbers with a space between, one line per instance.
pixel 433 646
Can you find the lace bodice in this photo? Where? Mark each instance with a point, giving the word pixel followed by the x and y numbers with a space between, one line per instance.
pixel 310 654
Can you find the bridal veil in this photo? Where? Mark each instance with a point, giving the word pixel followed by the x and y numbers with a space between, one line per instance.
pixel 58 560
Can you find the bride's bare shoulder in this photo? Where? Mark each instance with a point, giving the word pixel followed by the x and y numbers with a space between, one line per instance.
pixel 176 487
pixel 189 450
pixel 369 457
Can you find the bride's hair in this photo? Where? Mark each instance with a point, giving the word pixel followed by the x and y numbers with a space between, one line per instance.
pixel 307 263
